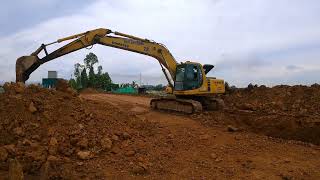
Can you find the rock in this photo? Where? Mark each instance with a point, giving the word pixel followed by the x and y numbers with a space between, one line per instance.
pixel 170 136
pixel 130 153
pixel 44 172
pixel 115 137
pixel 15 170
pixel 46 114
pixel 126 135
pixel 66 159
pixel 10 149
pixel 115 150
pixel 52 158
pixel 66 150
pixel 204 137
pixel 80 163
pixel 35 125
pixel 71 91
pixel 3 154
pixel 62 85
pixel 247 106
pixel 237 138
pixel 125 144
pixel 53 146
pixel 20 87
pixel 53 150
pixel 53 142
pixel 140 169
pixel 38 154
pixel 213 155
pixel 106 143
pixel 84 155
pixel 74 141
pixel 232 128
pixel 32 108
pixel 18 131
pixel 36 137
pixel 286 160
pixel 51 131
pixel 83 143
pixel 140 159
pixel 26 142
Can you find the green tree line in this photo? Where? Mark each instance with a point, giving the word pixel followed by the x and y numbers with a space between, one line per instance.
pixel 86 77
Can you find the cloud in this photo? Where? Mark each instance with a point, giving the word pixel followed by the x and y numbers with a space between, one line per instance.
pixel 17 15
pixel 293 67
pixel 246 40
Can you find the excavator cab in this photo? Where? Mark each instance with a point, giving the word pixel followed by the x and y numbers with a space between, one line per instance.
pixel 188 76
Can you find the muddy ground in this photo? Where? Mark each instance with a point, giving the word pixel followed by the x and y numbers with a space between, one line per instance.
pixel 59 134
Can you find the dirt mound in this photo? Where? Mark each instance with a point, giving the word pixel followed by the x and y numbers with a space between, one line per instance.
pixel 301 100
pixel 52 132
pixel 290 112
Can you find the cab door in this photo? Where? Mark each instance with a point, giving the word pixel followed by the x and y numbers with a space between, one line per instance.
pixel 188 77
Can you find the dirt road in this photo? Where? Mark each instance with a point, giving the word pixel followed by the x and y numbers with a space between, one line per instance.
pixel 182 147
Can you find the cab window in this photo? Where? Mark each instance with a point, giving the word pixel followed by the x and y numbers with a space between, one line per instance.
pixel 188 77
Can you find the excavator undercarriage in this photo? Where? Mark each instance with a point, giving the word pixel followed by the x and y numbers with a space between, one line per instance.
pixel 186 105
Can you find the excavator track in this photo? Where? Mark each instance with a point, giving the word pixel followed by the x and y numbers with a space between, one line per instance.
pixel 186 106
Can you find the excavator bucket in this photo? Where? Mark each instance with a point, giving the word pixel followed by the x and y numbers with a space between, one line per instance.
pixel 25 65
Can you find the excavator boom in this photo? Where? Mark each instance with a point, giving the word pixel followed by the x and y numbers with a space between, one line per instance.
pixel 25 65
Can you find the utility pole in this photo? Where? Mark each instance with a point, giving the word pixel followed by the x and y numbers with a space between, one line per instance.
pixel 140 80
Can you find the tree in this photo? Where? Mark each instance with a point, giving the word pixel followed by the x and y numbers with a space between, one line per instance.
pixel 99 70
pixel 77 70
pixel 73 83
pixel 84 78
pixel 92 78
pixel 77 74
pixel 90 60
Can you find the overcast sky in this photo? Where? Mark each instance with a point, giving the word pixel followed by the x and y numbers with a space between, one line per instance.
pixel 260 41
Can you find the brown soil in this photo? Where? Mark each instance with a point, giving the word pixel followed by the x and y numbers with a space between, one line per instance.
pixel 289 112
pixel 58 134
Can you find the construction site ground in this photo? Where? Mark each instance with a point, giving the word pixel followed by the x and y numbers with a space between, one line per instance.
pixel 59 134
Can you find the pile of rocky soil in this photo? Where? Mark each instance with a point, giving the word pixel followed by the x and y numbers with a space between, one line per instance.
pixel 303 100
pixel 290 112
pixel 47 133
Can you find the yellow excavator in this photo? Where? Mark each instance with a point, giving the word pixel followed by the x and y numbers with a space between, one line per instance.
pixel 193 91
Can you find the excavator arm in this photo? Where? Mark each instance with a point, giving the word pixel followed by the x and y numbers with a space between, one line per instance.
pixel 25 65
